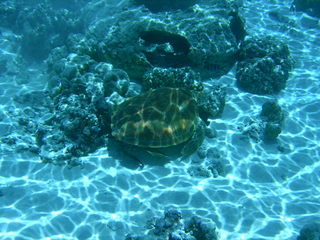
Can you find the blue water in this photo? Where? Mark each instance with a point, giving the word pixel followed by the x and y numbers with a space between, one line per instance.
pixel 267 191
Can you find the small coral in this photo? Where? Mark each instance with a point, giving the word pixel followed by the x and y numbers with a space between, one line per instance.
pixel 271 112
pixel 172 227
pixel 211 101
pixel 201 230
pixel 273 118
pixel 170 222
pixel 199 171
pixel 310 232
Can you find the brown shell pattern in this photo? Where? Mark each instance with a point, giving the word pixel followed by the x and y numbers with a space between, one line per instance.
pixel 159 118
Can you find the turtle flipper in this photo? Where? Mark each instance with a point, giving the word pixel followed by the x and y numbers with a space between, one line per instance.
pixel 195 141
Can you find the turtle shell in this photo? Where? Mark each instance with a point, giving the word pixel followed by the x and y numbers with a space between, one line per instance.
pixel 159 118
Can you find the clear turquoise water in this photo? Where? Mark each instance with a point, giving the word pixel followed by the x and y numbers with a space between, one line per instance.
pixel 265 195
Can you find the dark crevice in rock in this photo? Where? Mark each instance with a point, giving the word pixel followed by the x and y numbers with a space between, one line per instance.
pixel 237 26
pixel 180 44
pixel 173 55
pixel 166 5
pixel 312 7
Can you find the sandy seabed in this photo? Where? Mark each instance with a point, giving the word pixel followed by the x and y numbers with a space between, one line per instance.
pixel 265 194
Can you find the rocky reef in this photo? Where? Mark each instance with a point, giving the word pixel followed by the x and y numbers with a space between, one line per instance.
pixel 136 40
pixel 133 52
pixel 93 63
pixel 41 25
pixel 266 127
pixel 80 119
pixel 263 65
pixel 172 226
pixel 166 5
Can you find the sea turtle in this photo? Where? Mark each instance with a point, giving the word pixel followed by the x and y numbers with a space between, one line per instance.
pixel 159 119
